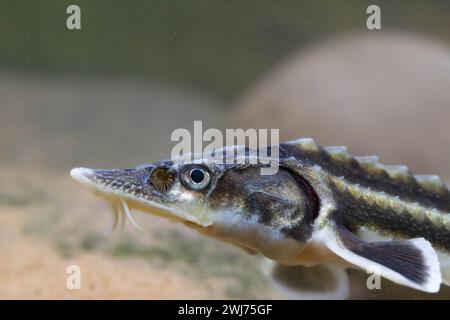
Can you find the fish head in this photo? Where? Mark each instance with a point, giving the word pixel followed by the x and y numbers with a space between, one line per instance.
pixel 234 202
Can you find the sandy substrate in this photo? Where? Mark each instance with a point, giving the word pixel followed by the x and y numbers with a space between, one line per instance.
pixel 35 271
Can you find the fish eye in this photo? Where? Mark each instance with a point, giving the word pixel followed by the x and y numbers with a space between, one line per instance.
pixel 197 175
pixel 196 178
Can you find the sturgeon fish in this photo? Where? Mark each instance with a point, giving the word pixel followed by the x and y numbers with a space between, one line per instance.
pixel 323 206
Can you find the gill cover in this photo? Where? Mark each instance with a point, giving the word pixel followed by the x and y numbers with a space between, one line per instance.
pixel 269 214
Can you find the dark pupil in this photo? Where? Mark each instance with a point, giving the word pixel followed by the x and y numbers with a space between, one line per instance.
pixel 197 175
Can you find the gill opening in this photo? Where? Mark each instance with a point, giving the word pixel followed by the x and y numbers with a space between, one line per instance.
pixel 308 190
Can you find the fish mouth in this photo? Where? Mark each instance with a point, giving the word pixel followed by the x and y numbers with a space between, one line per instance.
pixel 122 203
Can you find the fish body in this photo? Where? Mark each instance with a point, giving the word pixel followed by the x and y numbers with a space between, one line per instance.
pixel 323 205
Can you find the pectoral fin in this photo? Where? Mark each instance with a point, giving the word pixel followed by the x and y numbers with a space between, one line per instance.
pixel 324 281
pixel 412 263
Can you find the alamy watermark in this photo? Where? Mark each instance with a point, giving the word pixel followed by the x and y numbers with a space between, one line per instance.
pixel 374 280
pixel 373 22
pixel 73 281
pixel 237 146
pixel 73 21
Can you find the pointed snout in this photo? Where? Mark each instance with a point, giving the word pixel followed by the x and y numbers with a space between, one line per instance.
pixel 112 181
pixel 82 175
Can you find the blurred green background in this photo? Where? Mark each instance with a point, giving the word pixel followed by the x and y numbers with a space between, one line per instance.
pixel 217 46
